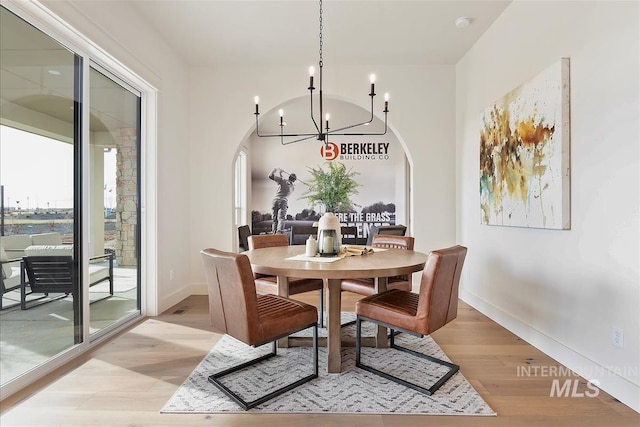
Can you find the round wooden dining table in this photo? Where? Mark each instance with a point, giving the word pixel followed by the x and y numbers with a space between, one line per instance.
pixel 289 261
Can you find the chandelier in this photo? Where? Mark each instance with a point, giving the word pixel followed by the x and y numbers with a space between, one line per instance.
pixel 320 133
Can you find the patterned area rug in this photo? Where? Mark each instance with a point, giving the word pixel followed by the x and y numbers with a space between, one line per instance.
pixel 351 391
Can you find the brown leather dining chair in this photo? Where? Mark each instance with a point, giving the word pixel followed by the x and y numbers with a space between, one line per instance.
pixel 269 284
pixel 237 310
pixel 365 286
pixel 417 314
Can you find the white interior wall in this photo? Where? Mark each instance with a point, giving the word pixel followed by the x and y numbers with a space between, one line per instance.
pixel 563 291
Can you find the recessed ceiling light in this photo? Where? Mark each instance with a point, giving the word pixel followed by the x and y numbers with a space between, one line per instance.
pixel 54 72
pixel 463 22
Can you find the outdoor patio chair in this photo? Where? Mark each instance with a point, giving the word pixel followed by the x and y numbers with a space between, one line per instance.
pixel 10 278
pixel 55 275
pixel 38 256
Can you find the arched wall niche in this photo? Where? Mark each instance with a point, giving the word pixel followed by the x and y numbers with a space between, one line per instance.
pixel 380 165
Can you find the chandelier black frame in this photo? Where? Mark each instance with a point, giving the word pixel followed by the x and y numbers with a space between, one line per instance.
pixel 322 134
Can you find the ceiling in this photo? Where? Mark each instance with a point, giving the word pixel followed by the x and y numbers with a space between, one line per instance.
pixel 253 32
pixel 262 32
pixel 209 33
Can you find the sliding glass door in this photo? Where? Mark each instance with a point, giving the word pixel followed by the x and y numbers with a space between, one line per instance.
pixel 39 148
pixel 114 153
pixel 69 200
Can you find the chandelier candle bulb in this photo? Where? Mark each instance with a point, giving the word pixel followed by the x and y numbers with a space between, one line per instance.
pixel 372 79
pixel 257 100
pixel 312 71
pixel 386 102
pixel 281 112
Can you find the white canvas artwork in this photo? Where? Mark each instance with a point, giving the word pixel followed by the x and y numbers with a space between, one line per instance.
pixel 524 154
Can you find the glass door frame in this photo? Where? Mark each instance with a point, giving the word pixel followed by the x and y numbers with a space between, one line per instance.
pixel 86 160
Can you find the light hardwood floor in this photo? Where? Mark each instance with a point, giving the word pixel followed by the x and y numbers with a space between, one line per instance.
pixel 127 380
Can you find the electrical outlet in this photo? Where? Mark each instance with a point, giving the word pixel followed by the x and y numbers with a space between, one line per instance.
pixel 617 337
pixel 171 274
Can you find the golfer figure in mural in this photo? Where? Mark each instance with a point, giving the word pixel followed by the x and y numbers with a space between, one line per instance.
pixel 280 201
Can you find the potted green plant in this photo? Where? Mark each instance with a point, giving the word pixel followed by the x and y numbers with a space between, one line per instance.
pixel 332 188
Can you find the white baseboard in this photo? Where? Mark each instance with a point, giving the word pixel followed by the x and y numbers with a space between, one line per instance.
pixel 609 381
pixel 174 298
pixel 199 289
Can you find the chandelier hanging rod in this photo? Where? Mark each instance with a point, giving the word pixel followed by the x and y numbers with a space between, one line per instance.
pixel 322 134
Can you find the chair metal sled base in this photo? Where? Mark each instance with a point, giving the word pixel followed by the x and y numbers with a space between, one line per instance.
pixel 215 378
pixel 453 368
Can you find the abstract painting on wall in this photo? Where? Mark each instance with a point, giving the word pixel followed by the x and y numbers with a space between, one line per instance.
pixel 524 154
